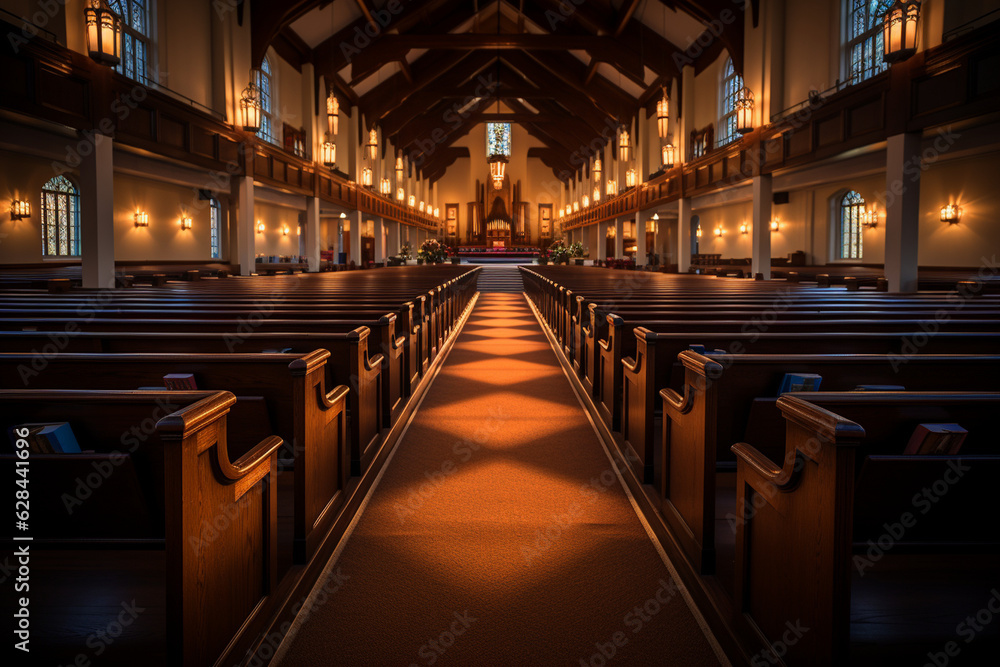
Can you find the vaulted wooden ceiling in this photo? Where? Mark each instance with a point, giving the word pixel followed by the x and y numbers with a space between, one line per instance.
pixel 567 71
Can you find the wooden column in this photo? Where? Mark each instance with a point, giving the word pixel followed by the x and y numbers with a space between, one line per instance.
pixel 97 215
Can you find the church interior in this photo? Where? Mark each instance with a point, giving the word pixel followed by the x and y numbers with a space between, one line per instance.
pixel 493 332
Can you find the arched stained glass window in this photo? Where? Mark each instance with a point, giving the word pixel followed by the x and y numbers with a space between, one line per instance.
pixel 265 84
pixel 852 209
pixel 135 37
pixel 60 218
pixel 732 84
pixel 216 226
pixel 864 38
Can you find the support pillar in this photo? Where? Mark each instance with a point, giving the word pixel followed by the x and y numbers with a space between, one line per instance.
pixel 312 245
pixel 393 240
pixel 357 219
pixel 619 238
pixel 902 211
pixel 97 215
pixel 379 241
pixel 242 226
pixel 602 243
pixel 640 238
pixel 683 235
pixel 761 262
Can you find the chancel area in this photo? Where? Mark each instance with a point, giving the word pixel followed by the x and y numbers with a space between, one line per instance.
pixel 471 332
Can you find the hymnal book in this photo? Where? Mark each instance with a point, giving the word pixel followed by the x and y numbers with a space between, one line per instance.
pixel 880 387
pixel 179 381
pixel 700 349
pixel 284 350
pixel 799 382
pixel 49 438
pixel 940 439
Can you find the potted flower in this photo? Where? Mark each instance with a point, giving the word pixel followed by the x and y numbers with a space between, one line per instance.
pixel 432 252
pixel 543 257
pixel 559 252
pixel 576 252
pixel 405 253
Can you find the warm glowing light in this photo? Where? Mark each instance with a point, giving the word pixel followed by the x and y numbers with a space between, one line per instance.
pixel 869 218
pixel 774 225
pixel 612 189
pixel 385 187
pixel 744 111
pixel 743 228
pixel 400 194
pixel 576 207
pixel 623 145
pixel 412 201
pixel 631 177
pixel 260 227
pixel 597 194
pixel 952 214
pixel 371 148
pixel 437 212
pixel 697 231
pixel 498 166
pixel 899 31
pixel 597 169
pixel 186 223
pixel 718 231
pixel 104 33
pixel 421 207
pixel 586 201
pixel 284 230
pixel 669 155
pixel 332 115
pixel 20 209
pixel 663 117
pixel 249 113
pixel 366 177
pixel 328 152
pixel 141 219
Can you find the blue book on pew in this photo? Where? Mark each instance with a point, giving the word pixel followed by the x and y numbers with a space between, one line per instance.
pixel 800 382
pixel 54 438
pixel 700 349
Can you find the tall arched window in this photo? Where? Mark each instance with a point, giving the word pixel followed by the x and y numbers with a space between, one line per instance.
pixel 863 48
pixel 216 227
pixel 852 208
pixel 732 84
pixel 135 37
pixel 60 218
pixel 265 84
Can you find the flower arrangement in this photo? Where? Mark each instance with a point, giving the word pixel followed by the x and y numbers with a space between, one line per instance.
pixel 405 251
pixel 559 252
pixel 576 249
pixel 432 252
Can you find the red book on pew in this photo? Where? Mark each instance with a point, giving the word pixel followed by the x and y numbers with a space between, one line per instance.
pixel 936 439
pixel 179 381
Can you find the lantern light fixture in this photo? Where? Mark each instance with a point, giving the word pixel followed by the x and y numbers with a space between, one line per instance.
pixel 869 218
pixel 186 222
pixel 663 116
pixel 630 178
pixel 612 189
pixel 899 30
pixel 744 111
pixel 744 229
pixel 498 167
pixel 597 194
pixel 366 177
pixel 260 227
pixel 141 219
pixel 623 145
pixel 104 33
pixel 284 230
pixel 399 167
pixel 400 194
pixel 697 231
pixel 951 214
pixel 371 148
pixel 437 211
pixel 328 151
pixel 19 209
pixel 250 105
pixel 576 207
pixel 385 187
pixel 656 216
pixel 598 169
pixel 718 231
pixel 332 115
pixel 412 201
pixel 669 155
pixel 421 207
pixel 586 201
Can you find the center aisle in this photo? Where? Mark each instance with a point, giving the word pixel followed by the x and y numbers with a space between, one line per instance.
pixel 499 533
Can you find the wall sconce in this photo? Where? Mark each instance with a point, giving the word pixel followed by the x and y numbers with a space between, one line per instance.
pixel 744 111
pixel 952 214
pixel 186 223
pixel 697 231
pixel 332 115
pixel 104 33
pixel 141 219
pixel 669 155
pixel 630 178
pixel 343 215
pixel 19 209
pixel 284 230
pixel 412 201
pixel 869 218
pixel 249 112
pixel 774 225
pixel 718 232
pixel 298 231
pixel 744 229
pixel 260 227
pixel 899 31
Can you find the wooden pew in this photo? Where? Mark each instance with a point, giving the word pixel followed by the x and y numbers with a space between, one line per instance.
pixel 350 363
pixel 723 403
pixel 844 480
pixel 297 407
pixel 211 531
